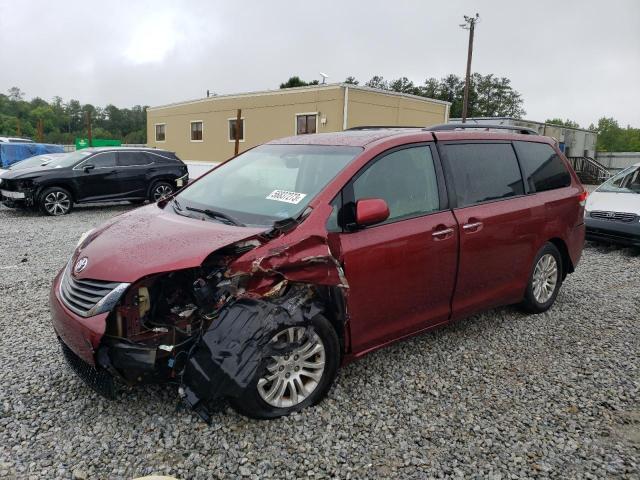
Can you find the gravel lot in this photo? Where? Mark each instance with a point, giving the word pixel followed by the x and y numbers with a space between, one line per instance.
pixel 500 395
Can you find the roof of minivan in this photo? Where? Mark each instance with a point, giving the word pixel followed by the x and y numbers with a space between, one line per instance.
pixel 360 138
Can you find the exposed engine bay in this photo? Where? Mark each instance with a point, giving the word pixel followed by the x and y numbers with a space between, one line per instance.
pixel 207 329
pixel 159 319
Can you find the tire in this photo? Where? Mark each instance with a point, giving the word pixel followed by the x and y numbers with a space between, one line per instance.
pixel 252 403
pixel 55 201
pixel 160 190
pixel 545 280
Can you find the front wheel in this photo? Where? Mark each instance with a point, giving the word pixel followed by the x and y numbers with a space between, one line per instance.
pixel 298 379
pixel 160 191
pixel 55 201
pixel 545 280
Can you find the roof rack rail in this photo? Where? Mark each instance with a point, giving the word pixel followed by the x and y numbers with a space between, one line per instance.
pixel 456 126
pixel 379 127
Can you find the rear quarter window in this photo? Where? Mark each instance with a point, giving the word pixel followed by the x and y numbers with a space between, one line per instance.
pixel 543 169
pixel 132 159
pixel 164 157
pixel 483 172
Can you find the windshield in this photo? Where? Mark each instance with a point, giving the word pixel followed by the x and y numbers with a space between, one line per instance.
pixel 69 159
pixel 627 181
pixel 36 161
pixel 267 184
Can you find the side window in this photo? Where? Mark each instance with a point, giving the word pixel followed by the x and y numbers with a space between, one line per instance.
pixel 196 131
pixel 129 159
pixel 232 129
pixel 542 167
pixel 102 160
pixel 405 179
pixel 483 172
pixel 306 123
pixel 160 132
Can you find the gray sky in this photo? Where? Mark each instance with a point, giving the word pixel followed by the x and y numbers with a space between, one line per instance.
pixel 568 58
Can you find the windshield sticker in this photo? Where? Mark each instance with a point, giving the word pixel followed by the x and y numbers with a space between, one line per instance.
pixel 286 196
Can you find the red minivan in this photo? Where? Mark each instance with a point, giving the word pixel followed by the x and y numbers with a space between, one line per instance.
pixel 258 280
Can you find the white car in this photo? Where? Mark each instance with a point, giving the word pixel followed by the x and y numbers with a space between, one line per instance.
pixel 612 212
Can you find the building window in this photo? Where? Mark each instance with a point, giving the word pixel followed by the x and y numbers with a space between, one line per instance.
pixel 196 131
pixel 160 132
pixel 306 123
pixel 232 129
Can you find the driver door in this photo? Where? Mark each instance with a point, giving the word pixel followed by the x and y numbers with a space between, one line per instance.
pixel 401 272
pixel 100 182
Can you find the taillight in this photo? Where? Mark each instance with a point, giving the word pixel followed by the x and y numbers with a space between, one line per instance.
pixel 582 198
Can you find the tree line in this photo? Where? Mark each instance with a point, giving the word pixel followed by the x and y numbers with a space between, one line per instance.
pixel 492 96
pixel 489 95
pixel 62 122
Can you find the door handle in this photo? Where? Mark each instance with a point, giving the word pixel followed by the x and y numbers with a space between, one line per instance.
pixel 442 233
pixel 472 226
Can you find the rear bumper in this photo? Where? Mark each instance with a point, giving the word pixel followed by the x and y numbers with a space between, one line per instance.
pixel 575 244
pixel 81 335
pixel 610 231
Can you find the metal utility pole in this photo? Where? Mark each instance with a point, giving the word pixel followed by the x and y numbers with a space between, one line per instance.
pixel 469 24
pixel 89 128
pixel 237 132
pixel 40 127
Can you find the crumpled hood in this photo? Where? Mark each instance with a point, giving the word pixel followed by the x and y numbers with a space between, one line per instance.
pixel 614 202
pixel 151 240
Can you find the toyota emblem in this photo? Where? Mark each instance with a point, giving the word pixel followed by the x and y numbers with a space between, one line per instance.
pixel 81 265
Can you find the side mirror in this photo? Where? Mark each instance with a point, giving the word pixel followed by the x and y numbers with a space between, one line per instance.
pixel 88 168
pixel 370 211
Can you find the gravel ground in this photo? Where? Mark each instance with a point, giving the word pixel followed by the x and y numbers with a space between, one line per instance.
pixel 500 395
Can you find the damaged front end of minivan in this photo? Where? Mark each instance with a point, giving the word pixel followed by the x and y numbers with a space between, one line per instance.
pixel 210 329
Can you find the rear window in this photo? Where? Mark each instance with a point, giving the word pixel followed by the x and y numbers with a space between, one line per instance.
pixel 483 172
pixel 542 167
pixel 163 157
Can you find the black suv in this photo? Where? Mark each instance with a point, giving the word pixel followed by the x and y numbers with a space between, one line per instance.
pixel 94 175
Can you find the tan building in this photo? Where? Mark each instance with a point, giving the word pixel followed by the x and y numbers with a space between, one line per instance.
pixel 204 130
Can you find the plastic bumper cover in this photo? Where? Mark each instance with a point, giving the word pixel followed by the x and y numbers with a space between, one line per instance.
pixel 611 231
pixel 81 335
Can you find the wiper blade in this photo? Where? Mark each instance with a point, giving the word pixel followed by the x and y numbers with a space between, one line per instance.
pixel 217 215
pixel 289 223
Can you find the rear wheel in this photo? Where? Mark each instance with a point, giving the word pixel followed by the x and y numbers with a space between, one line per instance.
pixel 55 201
pixel 160 191
pixel 297 380
pixel 545 280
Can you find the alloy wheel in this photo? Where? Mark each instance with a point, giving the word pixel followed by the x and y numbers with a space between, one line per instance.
pixel 545 278
pixel 161 192
pixel 291 378
pixel 57 203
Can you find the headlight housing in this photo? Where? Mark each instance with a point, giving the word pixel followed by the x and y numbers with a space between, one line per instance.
pixel 24 184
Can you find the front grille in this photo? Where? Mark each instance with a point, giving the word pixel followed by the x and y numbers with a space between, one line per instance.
pixel 614 216
pixel 97 378
pixel 80 296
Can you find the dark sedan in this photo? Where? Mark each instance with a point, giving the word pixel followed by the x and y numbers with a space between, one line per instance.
pixel 94 175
